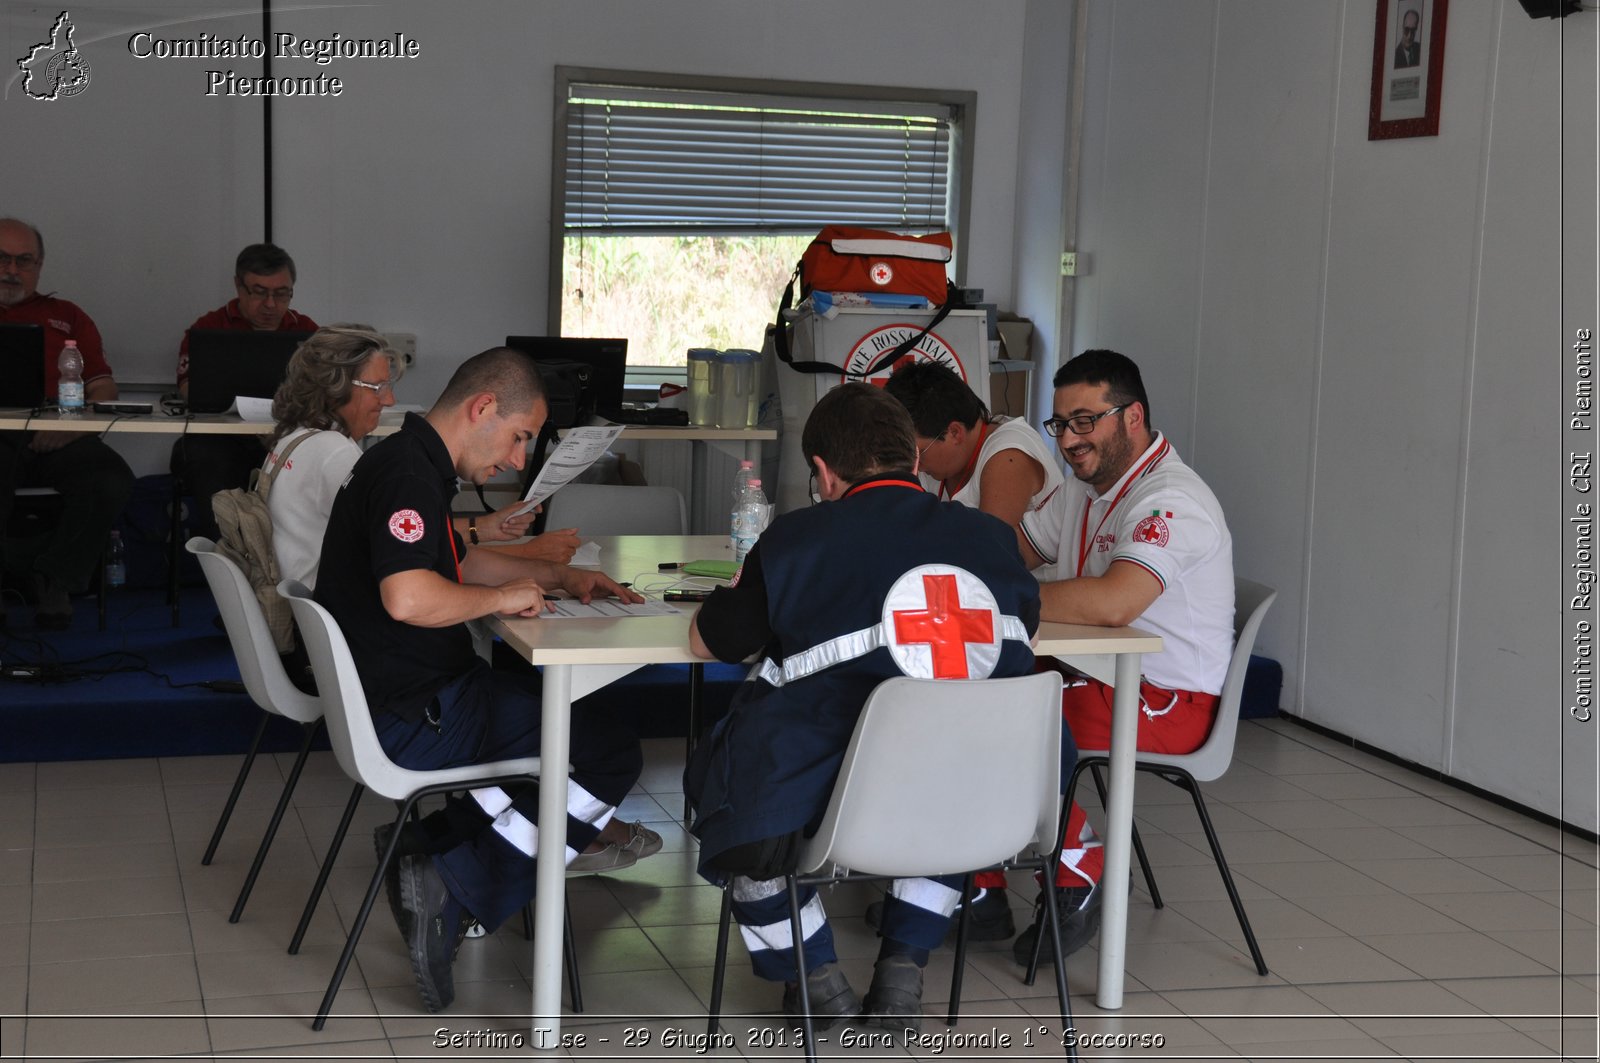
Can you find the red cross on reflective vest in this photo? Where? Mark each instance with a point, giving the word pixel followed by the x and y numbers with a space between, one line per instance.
pixel 944 626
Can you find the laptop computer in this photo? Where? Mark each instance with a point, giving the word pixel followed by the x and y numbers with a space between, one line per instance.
pixel 22 366
pixel 224 364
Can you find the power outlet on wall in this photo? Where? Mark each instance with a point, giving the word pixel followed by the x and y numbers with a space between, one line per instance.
pixel 406 344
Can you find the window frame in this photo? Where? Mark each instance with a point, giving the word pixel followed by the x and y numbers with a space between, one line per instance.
pixel 962 102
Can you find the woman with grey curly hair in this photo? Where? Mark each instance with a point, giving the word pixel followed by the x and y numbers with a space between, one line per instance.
pixel 341 378
pixel 338 384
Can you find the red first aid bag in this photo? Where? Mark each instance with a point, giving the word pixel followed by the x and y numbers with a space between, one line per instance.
pixel 845 258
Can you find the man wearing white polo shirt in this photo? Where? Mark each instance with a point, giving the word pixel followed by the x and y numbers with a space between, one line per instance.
pixel 1142 541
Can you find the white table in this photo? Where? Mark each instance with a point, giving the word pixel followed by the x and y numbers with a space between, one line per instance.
pixel 156 423
pixel 580 656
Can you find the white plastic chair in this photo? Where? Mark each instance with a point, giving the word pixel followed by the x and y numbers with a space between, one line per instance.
pixel 615 509
pixel 1187 770
pixel 269 687
pixel 894 814
pixel 356 748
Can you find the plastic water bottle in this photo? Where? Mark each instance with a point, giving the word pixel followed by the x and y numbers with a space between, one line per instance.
pixel 741 479
pixel 117 561
pixel 750 518
pixel 69 392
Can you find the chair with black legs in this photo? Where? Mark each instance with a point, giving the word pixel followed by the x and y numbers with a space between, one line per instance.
pixel 356 748
pixel 1187 771
pixel 269 687
pixel 894 814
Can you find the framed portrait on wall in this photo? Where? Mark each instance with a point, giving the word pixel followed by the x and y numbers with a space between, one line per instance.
pixel 1407 68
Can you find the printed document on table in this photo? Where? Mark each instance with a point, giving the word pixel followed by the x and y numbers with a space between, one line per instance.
pixel 579 449
pixel 604 608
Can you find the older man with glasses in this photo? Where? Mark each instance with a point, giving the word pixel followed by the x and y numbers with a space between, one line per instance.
pixel 1141 540
pixel 93 480
pixel 263 280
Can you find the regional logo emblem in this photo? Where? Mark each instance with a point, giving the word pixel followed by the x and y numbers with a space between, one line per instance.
pixel 55 69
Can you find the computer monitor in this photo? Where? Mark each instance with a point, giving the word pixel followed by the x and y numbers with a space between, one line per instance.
pixel 607 357
pixel 22 366
pixel 224 364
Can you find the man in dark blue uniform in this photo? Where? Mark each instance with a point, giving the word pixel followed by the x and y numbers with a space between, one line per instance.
pixel 402 585
pixel 882 580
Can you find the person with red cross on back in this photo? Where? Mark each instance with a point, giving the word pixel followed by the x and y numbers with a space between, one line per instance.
pixel 1140 540
pixel 878 580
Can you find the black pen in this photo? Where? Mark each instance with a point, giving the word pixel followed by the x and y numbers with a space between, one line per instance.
pixel 668 566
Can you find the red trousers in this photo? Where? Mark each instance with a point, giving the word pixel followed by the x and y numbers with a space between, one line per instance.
pixel 1170 721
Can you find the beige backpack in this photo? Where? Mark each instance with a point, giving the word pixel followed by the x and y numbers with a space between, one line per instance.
pixel 245 526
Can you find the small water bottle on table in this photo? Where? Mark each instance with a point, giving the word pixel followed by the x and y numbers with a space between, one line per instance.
pixel 750 518
pixel 741 479
pixel 69 391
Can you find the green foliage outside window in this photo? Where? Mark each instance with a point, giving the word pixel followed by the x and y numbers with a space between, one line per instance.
pixel 666 294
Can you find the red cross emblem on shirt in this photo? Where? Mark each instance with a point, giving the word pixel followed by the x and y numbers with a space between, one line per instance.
pixel 944 626
pixel 406 525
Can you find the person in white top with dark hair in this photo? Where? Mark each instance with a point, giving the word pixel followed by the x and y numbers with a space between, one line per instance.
pixel 1001 466
pixel 1139 539
pixel 997 464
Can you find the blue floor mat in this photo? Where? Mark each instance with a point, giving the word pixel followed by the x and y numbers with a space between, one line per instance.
pixel 136 689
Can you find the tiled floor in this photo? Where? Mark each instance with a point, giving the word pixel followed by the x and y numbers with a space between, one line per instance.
pixel 1401 919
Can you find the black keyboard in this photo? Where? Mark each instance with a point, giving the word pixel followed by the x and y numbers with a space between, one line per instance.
pixel 652 416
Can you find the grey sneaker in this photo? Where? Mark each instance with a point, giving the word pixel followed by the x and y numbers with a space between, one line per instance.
pixel 642 841
pixel 832 999
pixel 895 999
pixel 612 858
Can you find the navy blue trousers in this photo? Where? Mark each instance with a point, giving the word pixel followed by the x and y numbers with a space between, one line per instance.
pixel 487 715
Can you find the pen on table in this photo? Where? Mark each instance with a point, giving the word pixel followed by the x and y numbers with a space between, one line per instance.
pixel 668 566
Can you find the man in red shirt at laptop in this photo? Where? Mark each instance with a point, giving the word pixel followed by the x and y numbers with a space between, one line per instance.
pixel 263 277
pixel 93 480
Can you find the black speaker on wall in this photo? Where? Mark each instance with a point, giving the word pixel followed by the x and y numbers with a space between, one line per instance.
pixel 1549 8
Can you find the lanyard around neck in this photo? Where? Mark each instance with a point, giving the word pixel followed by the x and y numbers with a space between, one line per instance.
pixel 450 534
pixel 1084 539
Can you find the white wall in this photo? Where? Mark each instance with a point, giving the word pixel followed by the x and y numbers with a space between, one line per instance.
pixel 418 200
pixel 1360 345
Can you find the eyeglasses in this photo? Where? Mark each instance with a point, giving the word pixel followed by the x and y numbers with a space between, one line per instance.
pixel 25 263
pixel 922 451
pixel 386 387
pixel 816 496
pixel 277 295
pixel 1081 425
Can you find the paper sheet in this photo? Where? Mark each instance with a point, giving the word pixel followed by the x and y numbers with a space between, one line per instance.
pixel 252 410
pixel 604 608
pixel 579 449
